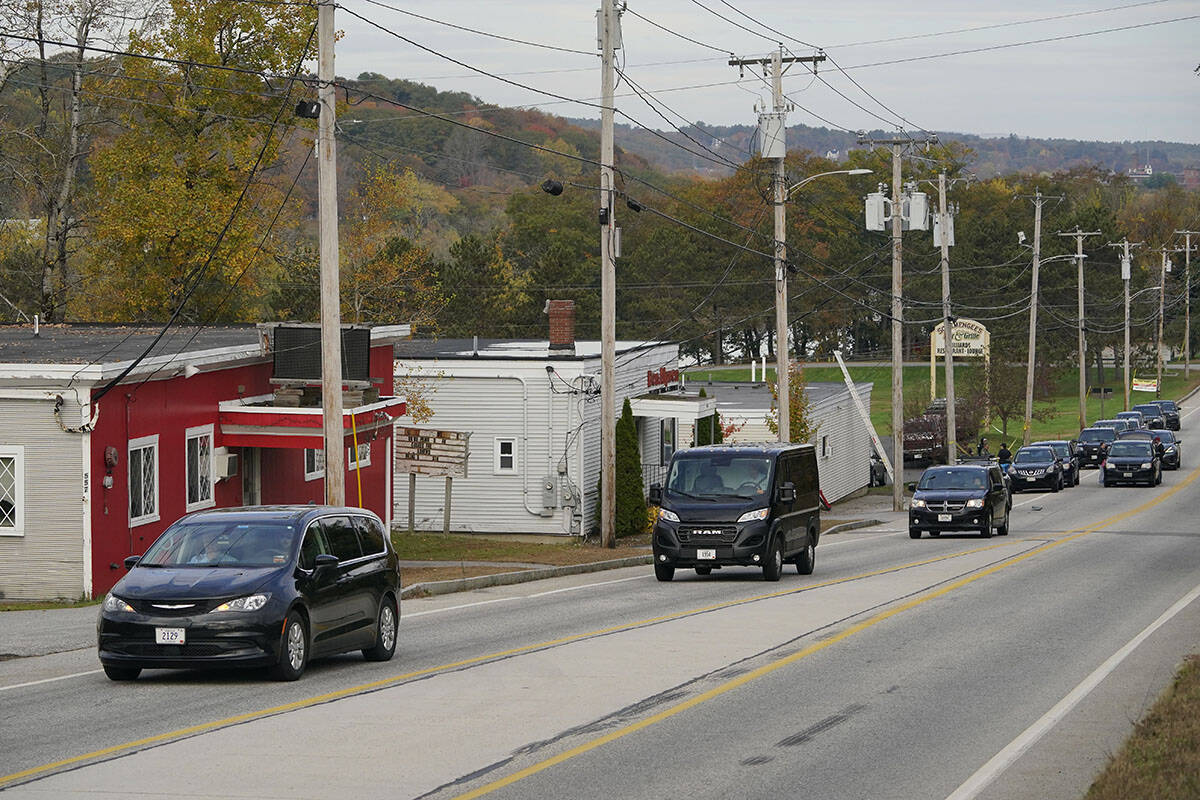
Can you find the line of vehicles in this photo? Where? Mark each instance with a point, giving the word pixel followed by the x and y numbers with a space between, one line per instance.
pixel 1132 448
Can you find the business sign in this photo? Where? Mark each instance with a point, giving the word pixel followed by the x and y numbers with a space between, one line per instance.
pixel 971 339
pixel 424 451
pixel 661 377
pixel 1145 384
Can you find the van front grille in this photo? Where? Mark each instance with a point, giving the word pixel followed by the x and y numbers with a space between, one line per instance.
pixel 723 534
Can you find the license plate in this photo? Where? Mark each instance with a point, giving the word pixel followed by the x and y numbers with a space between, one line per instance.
pixel 1094 456
pixel 1127 474
pixel 943 517
pixel 1030 480
pixel 707 555
pixel 169 636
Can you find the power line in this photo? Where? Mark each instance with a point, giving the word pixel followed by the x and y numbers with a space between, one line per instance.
pixel 676 33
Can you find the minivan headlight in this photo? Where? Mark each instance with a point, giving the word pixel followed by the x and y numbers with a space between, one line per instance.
pixel 668 515
pixel 114 603
pixel 975 502
pixel 751 516
pixel 252 603
pixel 918 503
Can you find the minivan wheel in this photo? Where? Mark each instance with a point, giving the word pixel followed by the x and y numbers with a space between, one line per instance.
pixel 664 572
pixel 293 652
pixel 914 533
pixel 806 560
pixel 122 673
pixel 773 567
pixel 986 530
pixel 385 633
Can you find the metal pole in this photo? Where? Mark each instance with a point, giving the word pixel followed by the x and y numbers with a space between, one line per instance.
pixel 331 316
pixel 951 428
pixel 897 335
pixel 782 374
pixel 1033 309
pixel 608 294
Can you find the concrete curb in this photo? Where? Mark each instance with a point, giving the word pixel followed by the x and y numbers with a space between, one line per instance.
pixel 524 576
pixel 853 526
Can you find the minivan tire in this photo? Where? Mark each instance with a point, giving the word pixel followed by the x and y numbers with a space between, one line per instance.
pixel 914 533
pixel 293 649
pixel 122 673
pixel 806 559
pixel 986 530
pixel 664 572
pixel 773 566
pixel 387 624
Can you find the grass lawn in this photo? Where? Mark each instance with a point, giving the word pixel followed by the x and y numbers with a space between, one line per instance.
pixel 42 605
pixel 1062 422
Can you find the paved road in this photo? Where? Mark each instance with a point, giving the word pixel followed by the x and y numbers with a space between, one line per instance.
pixel 951 667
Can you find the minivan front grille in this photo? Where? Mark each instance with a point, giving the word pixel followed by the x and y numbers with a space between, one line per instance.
pixel 945 505
pixel 725 534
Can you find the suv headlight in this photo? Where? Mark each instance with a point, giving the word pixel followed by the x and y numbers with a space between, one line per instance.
pixel 1171 449
pixel 1146 465
pixel 751 516
pixel 668 515
pixel 918 503
pixel 114 603
pixel 975 502
pixel 251 603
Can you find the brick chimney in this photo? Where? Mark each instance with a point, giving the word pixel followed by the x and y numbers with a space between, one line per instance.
pixel 562 324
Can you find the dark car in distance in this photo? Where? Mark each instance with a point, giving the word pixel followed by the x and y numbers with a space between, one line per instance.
pixel 1070 457
pixel 1171 452
pixel 1131 461
pixel 966 497
pixel 1136 418
pixel 1092 445
pixel 262 586
pixel 1036 468
pixel 1170 413
pixel 1151 415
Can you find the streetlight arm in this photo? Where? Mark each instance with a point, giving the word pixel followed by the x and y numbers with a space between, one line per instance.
pixel 796 186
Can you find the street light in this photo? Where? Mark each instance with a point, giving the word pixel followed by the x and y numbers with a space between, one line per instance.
pixel 782 378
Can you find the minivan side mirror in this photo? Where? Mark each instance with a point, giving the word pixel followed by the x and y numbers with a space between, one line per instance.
pixel 655 495
pixel 131 561
pixel 911 486
pixel 787 492
pixel 323 565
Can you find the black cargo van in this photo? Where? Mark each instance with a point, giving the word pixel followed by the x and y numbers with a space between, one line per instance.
pixel 754 505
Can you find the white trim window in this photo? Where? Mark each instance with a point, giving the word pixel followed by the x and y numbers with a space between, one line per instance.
pixel 363 458
pixel 12 490
pixel 143 480
pixel 314 464
pixel 198 449
pixel 504 457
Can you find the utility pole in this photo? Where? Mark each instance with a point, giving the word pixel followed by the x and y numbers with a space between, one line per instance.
pixel 1126 273
pixel 1162 309
pixel 1038 201
pixel 610 33
pixel 1187 302
pixel 776 149
pixel 331 313
pixel 897 313
pixel 1079 257
pixel 947 324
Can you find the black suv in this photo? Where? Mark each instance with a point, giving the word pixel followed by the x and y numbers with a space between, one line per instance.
pixel 1170 413
pixel 1093 445
pixel 1131 461
pixel 1036 468
pixel 967 497
pixel 1066 452
pixel 1152 415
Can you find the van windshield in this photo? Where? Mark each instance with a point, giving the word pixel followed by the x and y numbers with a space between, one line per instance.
pixel 952 479
pixel 720 476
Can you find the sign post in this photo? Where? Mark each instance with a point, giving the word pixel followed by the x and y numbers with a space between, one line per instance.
pixel 970 339
pixel 424 451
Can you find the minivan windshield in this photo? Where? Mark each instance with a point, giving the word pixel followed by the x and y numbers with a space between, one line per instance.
pixel 1033 455
pixel 720 476
pixel 221 544
pixel 1130 448
pixel 1097 435
pixel 935 479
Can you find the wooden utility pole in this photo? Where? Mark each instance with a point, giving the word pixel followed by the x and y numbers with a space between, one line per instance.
pixel 947 324
pixel 1039 200
pixel 779 197
pixel 1162 309
pixel 610 35
pixel 331 315
pixel 1126 274
pixel 1187 302
pixel 1079 257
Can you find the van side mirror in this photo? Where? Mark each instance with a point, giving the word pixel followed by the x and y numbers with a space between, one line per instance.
pixel 655 495
pixel 324 565
pixel 911 486
pixel 131 561
pixel 787 492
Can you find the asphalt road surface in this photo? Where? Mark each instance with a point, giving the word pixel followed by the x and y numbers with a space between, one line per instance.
pixel 954 667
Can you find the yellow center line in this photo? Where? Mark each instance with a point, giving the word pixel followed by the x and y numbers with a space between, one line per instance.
pixel 466 662
pixel 859 627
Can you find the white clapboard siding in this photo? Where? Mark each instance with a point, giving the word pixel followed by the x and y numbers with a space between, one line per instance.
pixel 48 560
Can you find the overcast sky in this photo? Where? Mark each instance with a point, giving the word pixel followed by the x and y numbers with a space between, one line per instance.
pixel 1128 84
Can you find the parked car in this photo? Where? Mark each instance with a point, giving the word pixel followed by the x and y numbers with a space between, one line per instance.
pixel 1114 424
pixel 752 505
pixel 1170 413
pixel 1093 445
pixel 1131 461
pixel 925 437
pixel 1036 468
pixel 1136 417
pixel 966 497
pixel 1151 415
pixel 265 586
pixel 1171 453
pixel 1070 457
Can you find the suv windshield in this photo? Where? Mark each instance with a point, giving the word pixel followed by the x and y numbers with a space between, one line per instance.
pixel 952 479
pixel 1097 435
pixel 221 544
pixel 720 476
pixel 1030 455
pixel 1130 448
pixel 1149 411
pixel 1167 405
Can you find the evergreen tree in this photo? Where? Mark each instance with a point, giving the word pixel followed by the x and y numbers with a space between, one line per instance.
pixel 631 497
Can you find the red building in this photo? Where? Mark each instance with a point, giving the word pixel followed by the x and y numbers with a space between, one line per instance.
pixel 98 454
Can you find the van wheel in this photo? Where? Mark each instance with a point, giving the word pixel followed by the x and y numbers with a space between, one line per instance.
pixel 1002 530
pixel 986 529
pixel 914 533
pixel 293 650
pixel 385 633
pixel 122 673
pixel 664 572
pixel 773 567
pixel 703 570
pixel 806 560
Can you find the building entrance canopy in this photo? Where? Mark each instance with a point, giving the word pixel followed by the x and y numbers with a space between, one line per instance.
pixel 255 422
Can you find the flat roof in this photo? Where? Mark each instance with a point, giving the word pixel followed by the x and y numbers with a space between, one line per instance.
pixel 512 349
pixel 88 343
pixel 746 396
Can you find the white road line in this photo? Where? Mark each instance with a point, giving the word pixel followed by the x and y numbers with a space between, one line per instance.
pixel 1017 747
pixel 49 680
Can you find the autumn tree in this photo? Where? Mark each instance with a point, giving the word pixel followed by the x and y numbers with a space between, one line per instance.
pixel 802 427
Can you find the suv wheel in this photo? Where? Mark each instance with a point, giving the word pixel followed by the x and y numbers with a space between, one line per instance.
pixel 773 566
pixel 914 533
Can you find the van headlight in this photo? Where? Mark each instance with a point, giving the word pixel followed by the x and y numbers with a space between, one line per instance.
pixel 917 503
pixel 1146 465
pixel 751 516
pixel 668 515
pixel 975 502
pixel 114 603
pixel 252 603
